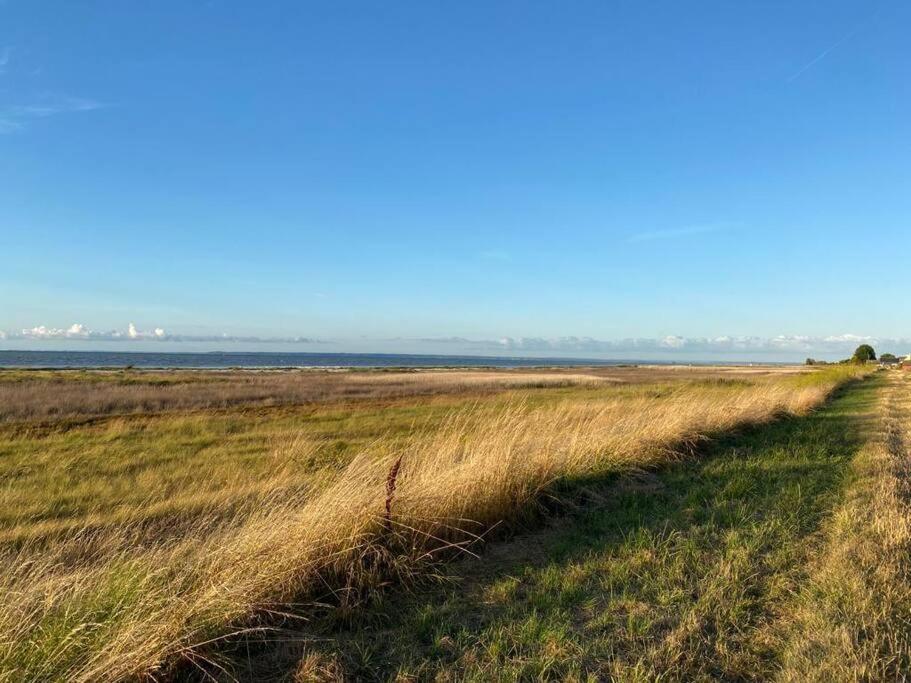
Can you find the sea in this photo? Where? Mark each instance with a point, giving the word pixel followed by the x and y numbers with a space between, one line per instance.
pixel 224 360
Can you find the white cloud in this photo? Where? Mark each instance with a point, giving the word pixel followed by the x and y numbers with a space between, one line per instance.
pixel 74 331
pixel 78 331
pixel 42 332
pixel 849 338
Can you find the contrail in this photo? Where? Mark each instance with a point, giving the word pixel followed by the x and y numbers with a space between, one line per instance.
pixel 825 52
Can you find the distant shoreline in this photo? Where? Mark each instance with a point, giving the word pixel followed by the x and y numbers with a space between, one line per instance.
pixel 237 360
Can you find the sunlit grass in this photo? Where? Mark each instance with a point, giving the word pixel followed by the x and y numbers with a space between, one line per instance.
pixel 261 509
pixel 711 569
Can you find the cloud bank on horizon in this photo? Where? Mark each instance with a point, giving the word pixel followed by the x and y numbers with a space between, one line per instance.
pixel 80 332
pixel 748 345
pixel 842 344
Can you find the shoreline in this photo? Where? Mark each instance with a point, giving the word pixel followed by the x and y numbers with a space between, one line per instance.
pixel 266 361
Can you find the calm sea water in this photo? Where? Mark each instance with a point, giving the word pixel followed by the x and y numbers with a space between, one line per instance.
pixel 106 359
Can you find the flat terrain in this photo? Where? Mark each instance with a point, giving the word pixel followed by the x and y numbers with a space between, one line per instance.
pixel 101 449
pixel 584 523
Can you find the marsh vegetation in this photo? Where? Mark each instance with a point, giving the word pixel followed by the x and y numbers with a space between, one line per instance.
pixel 155 523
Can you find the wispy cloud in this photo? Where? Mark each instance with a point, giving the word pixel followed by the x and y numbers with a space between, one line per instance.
pixel 6 54
pixel 825 53
pixel 15 117
pixel 685 231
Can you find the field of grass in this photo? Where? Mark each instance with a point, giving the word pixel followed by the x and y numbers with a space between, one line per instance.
pixel 157 524
pixel 780 554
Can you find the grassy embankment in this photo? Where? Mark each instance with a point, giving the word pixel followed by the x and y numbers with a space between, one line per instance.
pixel 254 507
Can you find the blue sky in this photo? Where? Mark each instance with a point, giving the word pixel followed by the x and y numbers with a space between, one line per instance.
pixel 688 180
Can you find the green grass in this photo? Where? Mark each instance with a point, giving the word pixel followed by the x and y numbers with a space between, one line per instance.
pixel 684 574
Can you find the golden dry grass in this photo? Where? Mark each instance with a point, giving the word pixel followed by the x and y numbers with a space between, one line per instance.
pixel 51 395
pixel 91 607
pixel 163 470
pixel 40 395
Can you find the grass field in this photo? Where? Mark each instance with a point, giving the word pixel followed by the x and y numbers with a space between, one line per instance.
pixel 780 554
pixel 631 523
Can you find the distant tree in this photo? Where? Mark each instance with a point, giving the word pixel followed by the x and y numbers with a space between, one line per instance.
pixel 811 361
pixel 863 353
pixel 888 357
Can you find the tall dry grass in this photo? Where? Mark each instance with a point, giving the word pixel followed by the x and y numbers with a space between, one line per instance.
pixel 161 470
pixel 80 612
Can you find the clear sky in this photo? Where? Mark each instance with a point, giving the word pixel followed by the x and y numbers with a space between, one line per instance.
pixel 689 178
